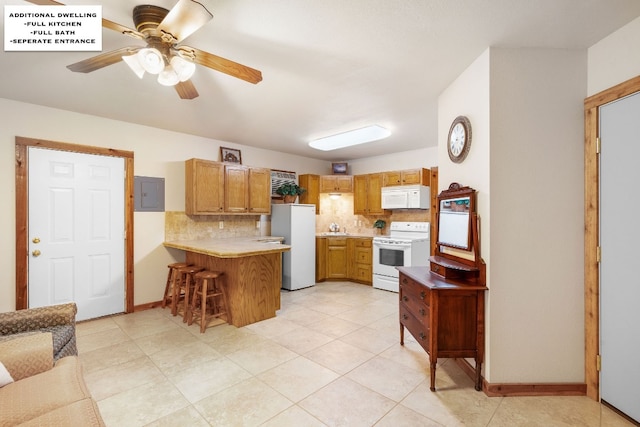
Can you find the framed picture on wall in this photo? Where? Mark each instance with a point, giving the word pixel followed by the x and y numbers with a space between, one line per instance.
pixel 230 155
pixel 339 168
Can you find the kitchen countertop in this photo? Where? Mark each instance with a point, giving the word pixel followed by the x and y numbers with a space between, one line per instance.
pixel 233 247
pixel 340 234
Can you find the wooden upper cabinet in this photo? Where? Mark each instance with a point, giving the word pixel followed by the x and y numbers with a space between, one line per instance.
pixel 374 194
pixel 236 192
pixel 311 183
pixel 336 183
pixel 367 194
pixel 407 177
pixel 259 190
pixel 204 187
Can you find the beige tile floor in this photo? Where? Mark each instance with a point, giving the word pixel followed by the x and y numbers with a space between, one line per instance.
pixel 331 357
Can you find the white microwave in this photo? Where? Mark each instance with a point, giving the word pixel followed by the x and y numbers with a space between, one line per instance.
pixel 406 197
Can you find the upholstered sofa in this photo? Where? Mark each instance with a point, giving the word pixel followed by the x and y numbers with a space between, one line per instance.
pixel 41 382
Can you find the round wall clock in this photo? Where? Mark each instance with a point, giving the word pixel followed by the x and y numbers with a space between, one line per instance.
pixel 459 141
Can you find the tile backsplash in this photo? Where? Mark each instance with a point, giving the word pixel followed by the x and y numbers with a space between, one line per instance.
pixel 180 226
pixel 340 211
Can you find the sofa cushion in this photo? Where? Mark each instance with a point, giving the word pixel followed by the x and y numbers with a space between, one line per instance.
pixel 81 413
pixel 64 340
pixel 34 396
pixel 27 355
pixel 5 376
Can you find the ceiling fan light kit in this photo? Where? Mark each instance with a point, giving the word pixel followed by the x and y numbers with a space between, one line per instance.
pixel 151 60
pixel 163 30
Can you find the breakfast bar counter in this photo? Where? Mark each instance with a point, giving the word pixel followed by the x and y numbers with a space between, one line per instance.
pixel 252 269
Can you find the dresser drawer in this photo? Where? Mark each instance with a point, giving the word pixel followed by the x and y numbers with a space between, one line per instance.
pixel 419 330
pixel 414 290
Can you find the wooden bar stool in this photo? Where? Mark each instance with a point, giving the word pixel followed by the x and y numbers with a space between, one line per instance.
pixel 209 287
pixel 168 289
pixel 181 288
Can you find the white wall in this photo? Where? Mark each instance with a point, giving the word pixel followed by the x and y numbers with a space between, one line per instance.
pixel 526 162
pixel 537 214
pixel 614 59
pixel 422 158
pixel 469 95
pixel 158 153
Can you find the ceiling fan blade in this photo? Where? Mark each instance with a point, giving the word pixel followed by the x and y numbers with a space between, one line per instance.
pixel 122 29
pixel 221 64
pixel 102 60
pixel 186 90
pixel 185 18
pixel 45 2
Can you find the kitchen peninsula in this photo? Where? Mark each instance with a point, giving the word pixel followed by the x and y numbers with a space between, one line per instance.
pixel 252 268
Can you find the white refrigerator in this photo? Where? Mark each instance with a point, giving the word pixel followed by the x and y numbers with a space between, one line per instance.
pixel 297 224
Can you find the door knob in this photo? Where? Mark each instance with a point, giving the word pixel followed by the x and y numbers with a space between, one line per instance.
pixel 36 240
pixel 36 253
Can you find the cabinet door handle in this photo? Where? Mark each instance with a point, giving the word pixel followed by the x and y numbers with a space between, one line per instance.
pixel 423 294
pixel 404 280
pixel 405 317
pixel 422 335
pixel 422 312
pixel 404 298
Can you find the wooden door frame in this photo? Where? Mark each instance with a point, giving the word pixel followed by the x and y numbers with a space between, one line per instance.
pixel 592 228
pixel 22 211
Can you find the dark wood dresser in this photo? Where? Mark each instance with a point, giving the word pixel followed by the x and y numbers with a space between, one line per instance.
pixel 446 316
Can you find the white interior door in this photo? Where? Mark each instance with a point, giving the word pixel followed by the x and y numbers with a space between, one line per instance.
pixel 619 240
pixel 76 231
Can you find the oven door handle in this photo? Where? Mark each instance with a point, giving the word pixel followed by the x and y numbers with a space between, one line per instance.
pixel 392 247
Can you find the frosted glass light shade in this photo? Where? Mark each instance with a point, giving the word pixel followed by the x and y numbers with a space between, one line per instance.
pixel 168 76
pixel 151 60
pixel 133 63
pixel 184 68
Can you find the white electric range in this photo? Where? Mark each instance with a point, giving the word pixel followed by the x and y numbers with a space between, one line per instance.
pixel 406 245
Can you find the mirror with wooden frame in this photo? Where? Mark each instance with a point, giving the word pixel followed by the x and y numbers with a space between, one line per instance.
pixel 458 230
pixel 456 206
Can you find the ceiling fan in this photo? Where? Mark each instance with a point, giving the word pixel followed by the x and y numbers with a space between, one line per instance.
pixel 163 30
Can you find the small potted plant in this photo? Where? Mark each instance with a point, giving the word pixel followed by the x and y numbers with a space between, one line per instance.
pixel 379 225
pixel 290 191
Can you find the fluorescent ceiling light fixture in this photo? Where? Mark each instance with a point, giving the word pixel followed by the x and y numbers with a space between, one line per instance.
pixel 350 138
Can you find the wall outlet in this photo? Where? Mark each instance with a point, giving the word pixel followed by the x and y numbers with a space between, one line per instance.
pixel 220 225
pixel 258 225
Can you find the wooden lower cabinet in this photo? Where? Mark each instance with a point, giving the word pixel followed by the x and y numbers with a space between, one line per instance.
pixel 359 268
pixel 344 258
pixel 321 259
pixel 445 316
pixel 337 258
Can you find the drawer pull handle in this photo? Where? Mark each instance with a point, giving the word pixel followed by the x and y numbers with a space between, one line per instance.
pixel 422 335
pixel 422 312
pixel 405 317
pixel 436 268
pixel 404 280
pixel 423 294
pixel 404 298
